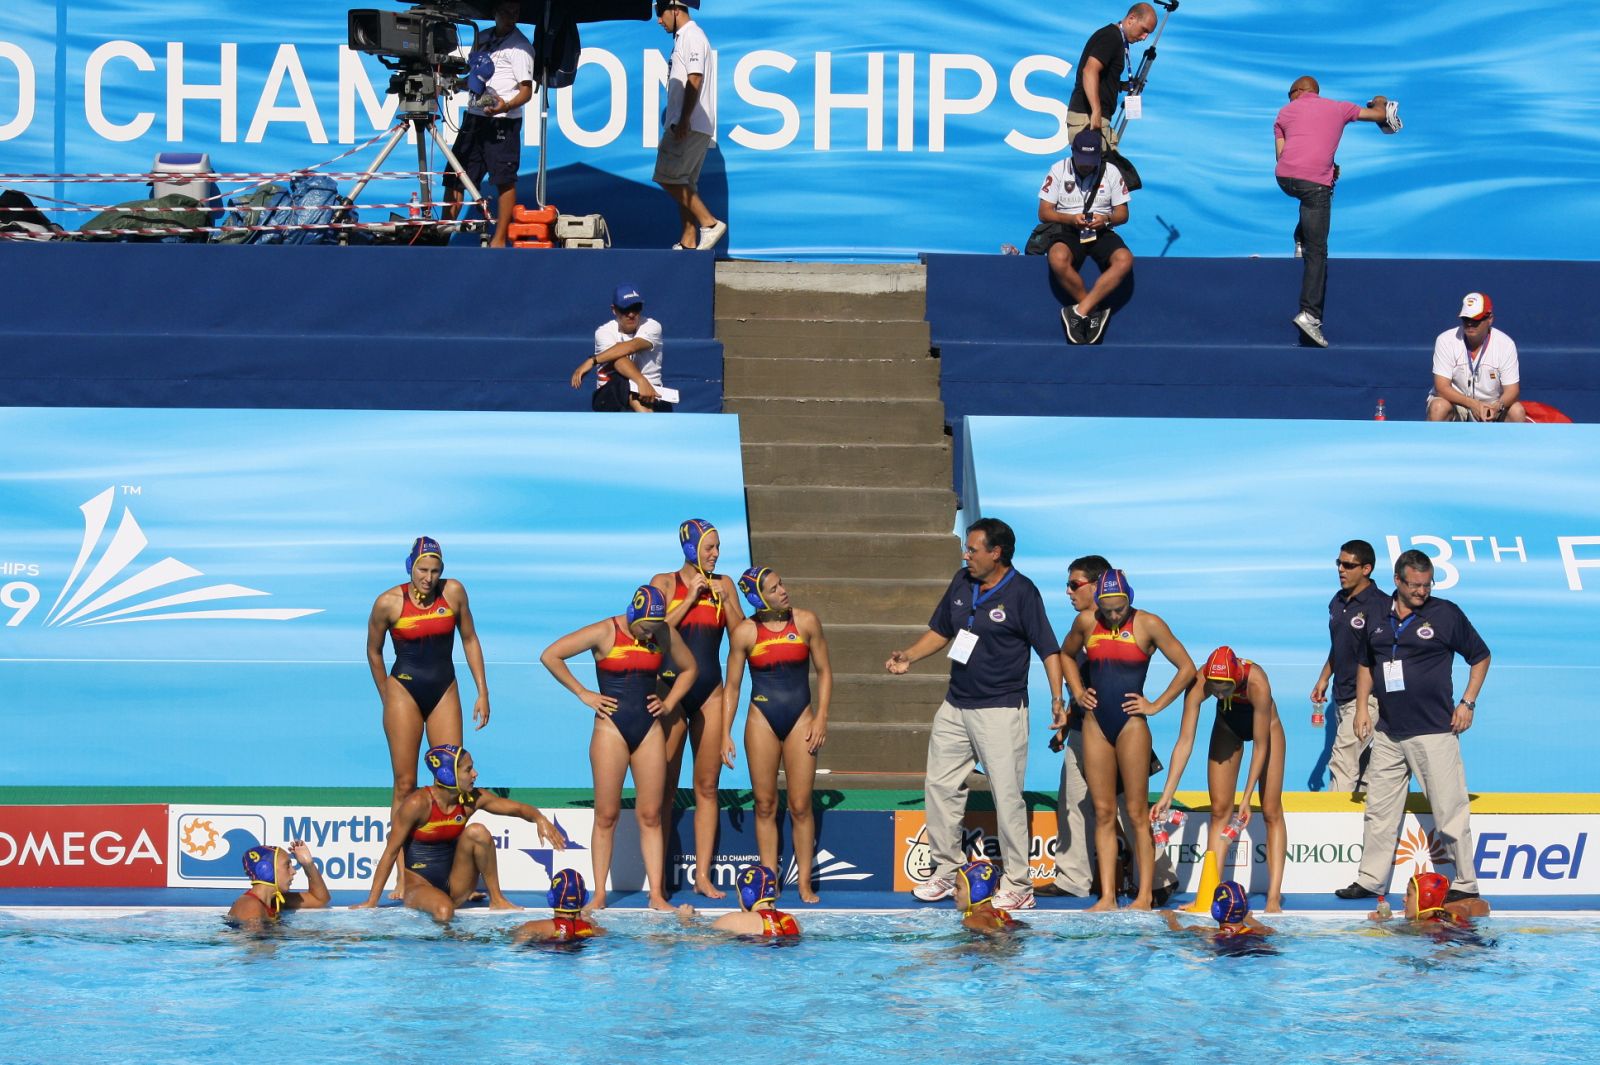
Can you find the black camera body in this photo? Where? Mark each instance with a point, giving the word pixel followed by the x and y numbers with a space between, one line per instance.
pixel 423 35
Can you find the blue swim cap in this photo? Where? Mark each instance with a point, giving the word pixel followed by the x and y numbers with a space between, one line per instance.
pixel 757 884
pixel 567 891
pixel 648 604
pixel 261 865
pixel 750 582
pixel 1113 582
pixel 423 546
pixel 1230 904
pixel 982 877
pixel 443 762
pixel 691 534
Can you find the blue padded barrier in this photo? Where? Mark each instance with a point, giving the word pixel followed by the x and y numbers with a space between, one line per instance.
pixel 356 328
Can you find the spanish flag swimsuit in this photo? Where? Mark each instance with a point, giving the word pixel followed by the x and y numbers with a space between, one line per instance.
pixel 1117 670
pixel 628 674
pixel 780 677
pixel 424 638
pixel 431 851
pixel 1237 713
pixel 701 630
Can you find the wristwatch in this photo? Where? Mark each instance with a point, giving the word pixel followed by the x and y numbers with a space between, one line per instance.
pixel 1470 704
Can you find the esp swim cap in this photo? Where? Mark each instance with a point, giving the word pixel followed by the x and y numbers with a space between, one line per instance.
pixel 567 891
pixel 1223 666
pixel 422 547
pixel 982 878
pixel 443 762
pixel 261 865
pixel 750 582
pixel 648 604
pixel 1113 582
pixel 757 884
pixel 1431 890
pixel 691 534
pixel 1230 904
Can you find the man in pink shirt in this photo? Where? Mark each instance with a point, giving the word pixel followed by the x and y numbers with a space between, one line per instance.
pixel 1307 131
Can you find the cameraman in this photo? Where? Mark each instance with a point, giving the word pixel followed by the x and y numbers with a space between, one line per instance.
pixel 1100 70
pixel 490 141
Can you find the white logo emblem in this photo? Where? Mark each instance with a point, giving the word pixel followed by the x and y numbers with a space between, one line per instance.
pixel 1359 621
pixel 828 867
pixel 998 614
pixel 1426 632
pixel 78 603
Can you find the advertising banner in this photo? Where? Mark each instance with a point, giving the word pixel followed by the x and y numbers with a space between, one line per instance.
pixel 856 130
pixel 82 846
pixel 185 594
pixel 1228 530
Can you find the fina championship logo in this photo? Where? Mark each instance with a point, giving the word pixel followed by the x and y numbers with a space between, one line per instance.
pixel 210 848
pixel 128 597
pixel 827 868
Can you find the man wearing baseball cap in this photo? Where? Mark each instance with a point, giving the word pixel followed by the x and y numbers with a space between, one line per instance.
pixel 627 351
pixel 1475 372
pixel 1083 197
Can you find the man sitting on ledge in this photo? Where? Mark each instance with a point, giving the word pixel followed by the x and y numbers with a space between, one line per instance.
pixel 1082 199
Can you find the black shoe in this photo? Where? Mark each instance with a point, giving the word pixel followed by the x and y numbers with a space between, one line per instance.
pixel 1355 891
pixel 1160 895
pixel 1077 325
pixel 1097 325
pixel 1052 891
pixel 1457 896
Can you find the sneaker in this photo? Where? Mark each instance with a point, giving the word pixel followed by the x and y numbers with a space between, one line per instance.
pixel 1015 900
pixel 1355 891
pixel 940 887
pixel 709 235
pixel 1391 117
pixel 1312 328
pixel 1097 324
pixel 1299 250
pixel 1077 325
pixel 678 246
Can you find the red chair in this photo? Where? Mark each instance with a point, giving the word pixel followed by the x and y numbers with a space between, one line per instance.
pixel 1543 413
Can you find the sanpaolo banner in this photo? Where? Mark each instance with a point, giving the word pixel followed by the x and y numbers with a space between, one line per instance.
pixel 82 846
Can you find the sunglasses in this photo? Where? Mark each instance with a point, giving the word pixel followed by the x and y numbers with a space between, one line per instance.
pixel 1342 564
pixel 1073 586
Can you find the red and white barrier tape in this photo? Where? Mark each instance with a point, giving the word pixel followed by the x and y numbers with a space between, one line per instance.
pixel 352 175
pixel 175 230
pixel 241 207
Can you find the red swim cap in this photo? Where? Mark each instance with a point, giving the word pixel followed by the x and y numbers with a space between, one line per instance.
pixel 1223 665
pixel 1431 890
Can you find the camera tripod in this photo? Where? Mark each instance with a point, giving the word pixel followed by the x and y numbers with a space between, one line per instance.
pixel 1136 83
pixel 419 92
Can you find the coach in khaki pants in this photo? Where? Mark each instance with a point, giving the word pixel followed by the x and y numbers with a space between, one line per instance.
pixel 991 616
pixel 1406 655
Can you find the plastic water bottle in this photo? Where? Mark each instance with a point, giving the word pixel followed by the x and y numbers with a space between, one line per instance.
pixel 1161 831
pixel 1379 417
pixel 1317 718
pixel 1009 249
pixel 416 209
pixel 1385 911
pixel 1236 824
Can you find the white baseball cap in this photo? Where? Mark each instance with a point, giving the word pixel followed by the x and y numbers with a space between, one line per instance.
pixel 1476 305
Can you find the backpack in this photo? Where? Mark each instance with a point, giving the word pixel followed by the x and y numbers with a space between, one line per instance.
pixel 173 209
pixel 313 200
pixel 250 210
pixel 24 221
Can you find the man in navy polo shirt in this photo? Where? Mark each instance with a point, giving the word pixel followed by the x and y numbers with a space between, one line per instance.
pixel 991 616
pixel 1357 603
pixel 1406 654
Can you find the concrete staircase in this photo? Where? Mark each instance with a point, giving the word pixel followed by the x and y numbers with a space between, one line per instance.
pixel 847 475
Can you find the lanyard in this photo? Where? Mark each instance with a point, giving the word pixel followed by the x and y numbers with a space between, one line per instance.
pixel 1473 364
pixel 1127 58
pixel 978 599
pixel 1399 629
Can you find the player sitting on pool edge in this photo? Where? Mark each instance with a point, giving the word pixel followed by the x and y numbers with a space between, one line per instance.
pixel 567 896
pixel 270 876
pixel 976 883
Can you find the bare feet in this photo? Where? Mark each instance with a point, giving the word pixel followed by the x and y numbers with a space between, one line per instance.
pixel 596 902
pixel 1102 906
pixel 704 886
pixel 1275 905
pixel 397 895
pixel 808 893
pixel 661 905
pixel 1140 903
pixel 500 902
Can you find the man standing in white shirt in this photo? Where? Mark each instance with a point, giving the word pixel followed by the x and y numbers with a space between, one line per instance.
pixel 691 124
pixel 490 141
pixel 626 359
pixel 1082 198
pixel 1475 372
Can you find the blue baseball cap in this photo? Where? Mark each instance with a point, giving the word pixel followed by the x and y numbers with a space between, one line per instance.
pixel 1087 149
pixel 627 296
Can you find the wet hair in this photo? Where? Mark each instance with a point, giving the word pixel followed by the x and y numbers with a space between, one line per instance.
pixel 1361 550
pixel 1412 559
pixel 996 534
pixel 1092 567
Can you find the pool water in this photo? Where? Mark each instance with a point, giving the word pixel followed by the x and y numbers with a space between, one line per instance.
pixel 178 986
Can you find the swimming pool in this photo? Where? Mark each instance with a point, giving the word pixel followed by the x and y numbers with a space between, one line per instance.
pixel 177 986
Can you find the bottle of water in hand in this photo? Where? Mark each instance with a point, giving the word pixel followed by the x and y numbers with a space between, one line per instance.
pixel 1236 824
pixel 1385 911
pixel 1161 831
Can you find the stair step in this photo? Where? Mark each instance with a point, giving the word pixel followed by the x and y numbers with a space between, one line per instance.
pixel 889 510
pixel 755 377
pixel 896 747
pixel 864 780
pixel 862 698
pixel 857 421
pixel 892 606
pixel 865 465
pixel 823 336
pixel 857 554
pixel 865 648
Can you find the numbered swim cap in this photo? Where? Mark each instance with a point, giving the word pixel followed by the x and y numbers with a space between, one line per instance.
pixel 750 582
pixel 1431 890
pixel 261 865
pixel 1223 667
pixel 1230 904
pixel 444 762
pixel 982 878
pixel 757 884
pixel 567 891
pixel 1113 582
pixel 648 604
pixel 691 534
pixel 422 547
